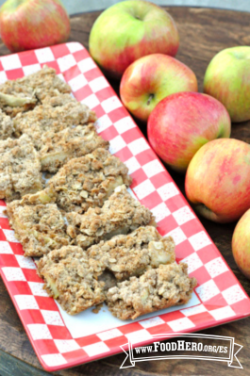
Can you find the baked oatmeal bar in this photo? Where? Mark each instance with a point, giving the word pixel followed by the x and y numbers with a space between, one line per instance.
pixel 72 279
pixel 133 254
pixel 25 93
pixel 88 181
pixel 6 126
pixel 120 214
pixel 19 168
pixel 83 182
pixel 157 289
pixel 39 228
pixel 62 100
pixel 70 143
pixel 50 118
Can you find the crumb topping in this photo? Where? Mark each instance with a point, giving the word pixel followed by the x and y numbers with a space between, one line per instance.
pixel 156 289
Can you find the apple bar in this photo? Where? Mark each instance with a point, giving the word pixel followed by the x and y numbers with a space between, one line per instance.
pixel 157 289
pixel 132 254
pixel 83 182
pixel 88 181
pixel 63 113
pixel 6 126
pixel 70 143
pixel 25 93
pixel 72 278
pixel 120 214
pixel 39 228
pixel 19 168
pixel 62 100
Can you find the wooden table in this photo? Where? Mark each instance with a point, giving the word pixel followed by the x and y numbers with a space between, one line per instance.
pixel 203 32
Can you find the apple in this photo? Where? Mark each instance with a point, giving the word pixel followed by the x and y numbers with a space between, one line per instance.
pixel 129 30
pixel 241 244
pixel 217 180
pixel 183 122
pixel 227 78
pixel 29 24
pixel 150 79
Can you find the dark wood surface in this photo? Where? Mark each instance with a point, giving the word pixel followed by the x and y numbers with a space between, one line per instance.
pixel 203 32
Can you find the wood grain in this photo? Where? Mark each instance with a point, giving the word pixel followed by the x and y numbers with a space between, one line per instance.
pixel 203 32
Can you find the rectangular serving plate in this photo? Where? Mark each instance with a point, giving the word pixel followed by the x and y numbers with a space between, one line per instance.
pixel 61 341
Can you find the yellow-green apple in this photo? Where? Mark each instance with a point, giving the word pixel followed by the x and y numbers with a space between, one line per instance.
pixel 183 122
pixel 241 244
pixel 217 180
pixel 29 24
pixel 150 79
pixel 129 30
pixel 227 78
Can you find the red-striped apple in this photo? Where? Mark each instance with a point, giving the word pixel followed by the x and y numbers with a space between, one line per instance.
pixel 129 30
pixel 241 244
pixel 29 24
pixel 227 78
pixel 183 122
pixel 217 180
pixel 150 79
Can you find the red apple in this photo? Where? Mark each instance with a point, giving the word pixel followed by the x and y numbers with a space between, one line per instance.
pixel 150 79
pixel 217 180
pixel 241 244
pixel 29 24
pixel 129 30
pixel 181 123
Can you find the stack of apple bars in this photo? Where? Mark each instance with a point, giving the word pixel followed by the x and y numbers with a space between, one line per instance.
pixel 93 242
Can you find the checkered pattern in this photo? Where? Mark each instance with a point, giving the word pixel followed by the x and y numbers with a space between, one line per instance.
pixel 221 297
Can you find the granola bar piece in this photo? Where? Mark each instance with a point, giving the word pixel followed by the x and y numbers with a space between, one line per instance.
pixel 61 100
pixel 120 214
pixel 157 289
pixel 47 118
pixel 19 168
pixel 39 228
pixel 25 93
pixel 72 278
pixel 88 181
pixel 70 143
pixel 83 182
pixel 133 254
pixel 6 126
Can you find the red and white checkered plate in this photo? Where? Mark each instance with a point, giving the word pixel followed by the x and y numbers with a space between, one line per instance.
pixel 62 341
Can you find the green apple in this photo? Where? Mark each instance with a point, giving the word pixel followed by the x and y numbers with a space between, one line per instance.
pixel 227 79
pixel 129 30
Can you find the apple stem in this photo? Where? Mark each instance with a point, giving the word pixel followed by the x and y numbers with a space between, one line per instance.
pixel 151 96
